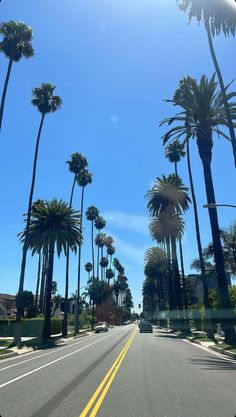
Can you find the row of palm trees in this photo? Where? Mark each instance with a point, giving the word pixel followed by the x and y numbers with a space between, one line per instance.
pixel 107 283
pixel 202 115
pixel 55 222
pixel 204 111
pixel 56 226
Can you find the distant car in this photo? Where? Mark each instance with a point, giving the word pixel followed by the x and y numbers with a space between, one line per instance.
pixel 126 322
pixel 101 327
pixel 145 326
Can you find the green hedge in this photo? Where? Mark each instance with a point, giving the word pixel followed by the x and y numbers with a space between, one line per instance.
pixel 30 327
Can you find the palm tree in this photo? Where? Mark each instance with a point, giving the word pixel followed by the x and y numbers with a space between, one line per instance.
pixel 154 269
pixel 109 271
pixel 38 280
pixel 100 241
pixel 88 268
pixel 54 225
pixel 76 164
pixel 110 252
pixel 83 178
pixel 54 287
pixel 173 152
pixel 209 325
pixel 16 44
pixel 43 282
pixel 217 16
pixel 34 207
pixel 46 102
pixel 99 223
pixel 91 214
pixel 167 199
pixel 203 114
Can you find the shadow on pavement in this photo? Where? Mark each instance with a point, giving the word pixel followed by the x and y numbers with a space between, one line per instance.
pixel 213 364
pixel 167 336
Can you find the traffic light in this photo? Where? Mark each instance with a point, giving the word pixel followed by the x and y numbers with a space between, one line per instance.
pixel 139 306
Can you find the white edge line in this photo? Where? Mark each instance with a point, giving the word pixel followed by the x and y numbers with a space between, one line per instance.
pixel 55 360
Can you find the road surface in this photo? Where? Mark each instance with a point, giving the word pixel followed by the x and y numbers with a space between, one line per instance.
pixel 119 374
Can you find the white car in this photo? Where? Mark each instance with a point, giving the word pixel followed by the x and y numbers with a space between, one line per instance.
pixel 101 327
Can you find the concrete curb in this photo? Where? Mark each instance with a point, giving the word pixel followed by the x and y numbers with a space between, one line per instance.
pixel 223 351
pixel 81 335
pixel 214 348
pixel 8 355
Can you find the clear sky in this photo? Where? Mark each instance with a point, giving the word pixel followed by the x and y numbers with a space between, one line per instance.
pixel 113 62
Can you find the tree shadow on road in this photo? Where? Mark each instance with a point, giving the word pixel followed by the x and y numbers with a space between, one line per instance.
pixel 213 364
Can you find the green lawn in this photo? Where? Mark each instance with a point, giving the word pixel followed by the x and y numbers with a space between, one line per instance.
pixel 4 351
pixel 202 337
pixel 231 348
pixel 4 343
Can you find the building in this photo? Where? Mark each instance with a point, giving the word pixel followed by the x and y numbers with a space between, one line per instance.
pixel 7 305
pixel 212 283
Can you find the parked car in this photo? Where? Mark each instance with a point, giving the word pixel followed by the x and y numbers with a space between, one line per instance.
pixel 145 326
pixel 101 327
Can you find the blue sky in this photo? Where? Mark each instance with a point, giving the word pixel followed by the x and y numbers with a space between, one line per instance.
pixel 113 62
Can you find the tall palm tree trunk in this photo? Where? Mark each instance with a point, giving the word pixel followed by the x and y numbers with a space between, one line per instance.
pixel 170 286
pixel 43 277
pixel 17 335
pixel 98 263
pixel 185 303
pixel 228 324
pixel 182 269
pixel 209 324
pixel 179 303
pixel 5 90
pixel 222 87
pixel 65 320
pixel 77 311
pixel 47 319
pixel 38 281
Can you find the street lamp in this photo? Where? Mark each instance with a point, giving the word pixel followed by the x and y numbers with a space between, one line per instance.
pixel 213 205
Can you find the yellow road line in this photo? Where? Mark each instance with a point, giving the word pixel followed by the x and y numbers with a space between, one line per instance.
pixel 110 374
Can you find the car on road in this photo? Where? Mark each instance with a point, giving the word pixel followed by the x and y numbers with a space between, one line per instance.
pixel 101 327
pixel 145 326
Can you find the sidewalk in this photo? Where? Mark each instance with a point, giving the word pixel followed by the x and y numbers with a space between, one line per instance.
pixel 55 340
pixel 207 344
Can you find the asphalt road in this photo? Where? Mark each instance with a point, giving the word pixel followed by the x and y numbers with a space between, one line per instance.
pixel 119 374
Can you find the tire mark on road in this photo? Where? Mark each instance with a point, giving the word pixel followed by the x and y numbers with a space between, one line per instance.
pixel 60 396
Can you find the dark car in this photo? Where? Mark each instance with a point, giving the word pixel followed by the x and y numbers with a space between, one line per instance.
pixel 145 326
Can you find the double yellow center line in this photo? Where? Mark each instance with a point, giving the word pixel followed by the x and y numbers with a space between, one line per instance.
pixel 106 382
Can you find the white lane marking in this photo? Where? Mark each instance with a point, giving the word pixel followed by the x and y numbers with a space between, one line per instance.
pixel 55 361
pixel 48 353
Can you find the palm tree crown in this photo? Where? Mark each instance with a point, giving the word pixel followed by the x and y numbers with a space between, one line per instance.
pixel 44 99
pixel 84 177
pixel 174 151
pixel 54 221
pixel 88 267
pixel 77 162
pixel 203 111
pixel 100 223
pixel 16 42
pixel 219 14
pixel 168 193
pixel 92 213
